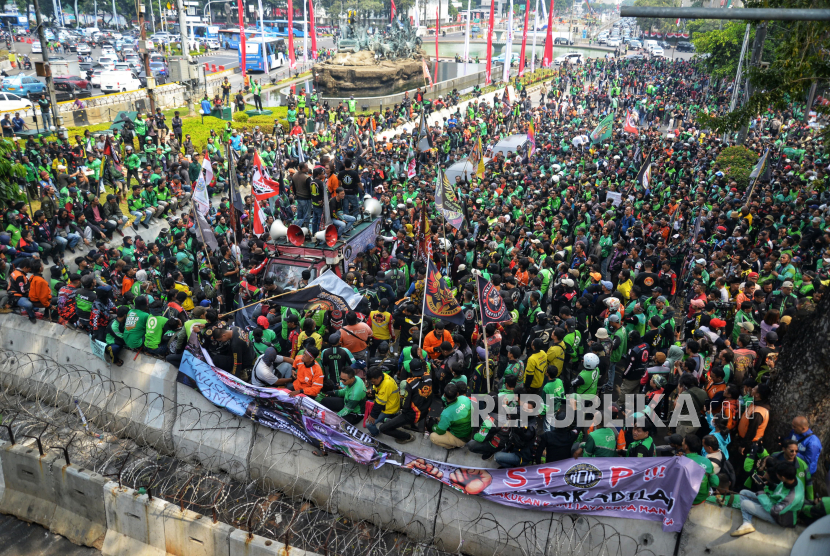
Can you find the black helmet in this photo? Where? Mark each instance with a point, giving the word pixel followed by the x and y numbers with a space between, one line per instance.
pixel 205 273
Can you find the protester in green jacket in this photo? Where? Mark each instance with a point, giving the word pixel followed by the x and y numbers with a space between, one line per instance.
pixel 455 426
pixel 777 505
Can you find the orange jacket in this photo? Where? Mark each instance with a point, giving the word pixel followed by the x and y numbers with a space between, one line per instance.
pixel 39 291
pixel 432 343
pixel 309 380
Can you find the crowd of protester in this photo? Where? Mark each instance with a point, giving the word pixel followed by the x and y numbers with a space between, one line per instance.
pixel 683 290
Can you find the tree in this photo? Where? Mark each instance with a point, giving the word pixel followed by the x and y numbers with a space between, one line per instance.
pixel 562 6
pixel 794 57
pixel 723 48
pixel 800 385
pixel 11 174
pixel 662 25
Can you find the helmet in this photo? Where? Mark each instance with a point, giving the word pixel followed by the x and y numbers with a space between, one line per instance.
pixel 591 361
pixel 659 380
pixel 205 273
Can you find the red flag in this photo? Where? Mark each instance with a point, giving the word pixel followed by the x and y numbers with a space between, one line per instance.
pixel 242 37
pixel 437 31
pixel 109 151
pixel 259 219
pixel 489 70
pixel 313 30
pixel 427 76
pixel 631 123
pixel 261 186
pixel 524 40
pixel 547 57
pixel 394 11
pixel 292 62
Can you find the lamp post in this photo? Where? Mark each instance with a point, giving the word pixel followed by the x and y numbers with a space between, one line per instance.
pixel 207 6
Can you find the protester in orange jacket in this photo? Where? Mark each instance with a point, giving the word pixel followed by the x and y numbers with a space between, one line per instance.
pixel 39 292
pixel 432 341
pixel 308 375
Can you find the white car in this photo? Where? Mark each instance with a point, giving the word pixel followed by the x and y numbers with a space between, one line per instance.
pixel 122 66
pixel 10 101
pixel 213 44
pixel 83 48
pixel 107 50
pixel 107 62
pixel 657 52
pixel 95 80
pixel 570 57
pixel 613 42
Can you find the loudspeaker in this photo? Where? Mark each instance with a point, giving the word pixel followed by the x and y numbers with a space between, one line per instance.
pixel 329 235
pixel 278 230
pixel 296 235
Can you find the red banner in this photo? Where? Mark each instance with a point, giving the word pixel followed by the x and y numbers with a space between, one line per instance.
pixel 547 58
pixel 524 40
pixel 487 80
pixel 242 37
pixel 437 32
pixel 393 11
pixel 313 30
pixel 292 62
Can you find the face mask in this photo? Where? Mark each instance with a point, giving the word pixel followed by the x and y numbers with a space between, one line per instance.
pixel 342 384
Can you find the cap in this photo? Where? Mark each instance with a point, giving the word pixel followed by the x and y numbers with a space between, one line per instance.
pixel 771 337
pixel 334 338
pixel 262 321
pixel 607 285
pixel 787 284
pixel 752 275
pixel 701 261
pixel 746 325
pixel 596 276
pixel 602 334
pixel 205 303
pixel 717 323
pixel 614 318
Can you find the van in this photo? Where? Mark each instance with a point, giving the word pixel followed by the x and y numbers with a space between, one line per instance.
pixel 90 31
pixel 649 44
pixel 119 82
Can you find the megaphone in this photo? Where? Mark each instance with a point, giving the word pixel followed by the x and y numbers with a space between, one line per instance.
pixel 278 230
pixel 327 236
pixel 295 235
pixel 372 207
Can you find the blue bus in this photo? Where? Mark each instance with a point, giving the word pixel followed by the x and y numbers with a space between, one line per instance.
pixel 254 53
pixel 9 21
pixel 198 32
pixel 279 27
pixel 229 38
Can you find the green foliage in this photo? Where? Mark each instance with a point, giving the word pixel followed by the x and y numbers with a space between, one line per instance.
pixel 240 117
pixel 365 7
pixel 796 54
pixel 561 6
pixel 737 163
pixel 723 48
pixel 662 25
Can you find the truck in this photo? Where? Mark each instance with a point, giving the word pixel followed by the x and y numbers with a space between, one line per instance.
pixel 65 68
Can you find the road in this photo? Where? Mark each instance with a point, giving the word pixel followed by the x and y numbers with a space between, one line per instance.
pixel 18 538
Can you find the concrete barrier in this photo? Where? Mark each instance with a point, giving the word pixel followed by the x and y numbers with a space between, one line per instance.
pixel 135 524
pixel 187 533
pixel 29 492
pixel 79 515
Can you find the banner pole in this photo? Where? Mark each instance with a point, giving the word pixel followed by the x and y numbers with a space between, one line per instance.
pixel 263 300
pixel 423 309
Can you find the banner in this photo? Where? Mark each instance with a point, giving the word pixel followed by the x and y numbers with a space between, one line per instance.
pixel 427 76
pixel 392 12
pixel 644 175
pixel 531 137
pixel 603 131
pixel 326 292
pixel 291 58
pixel 615 197
pixel 547 57
pixel 631 123
pixel 423 133
pixel 242 37
pixel 299 416
pixel 97 348
pixel 491 302
pixel 489 71
pixel 206 232
pixel 439 301
pixel 653 489
pixel 524 40
pixel 313 30
pixel 200 196
pixel 437 32
pixel 259 218
pixel 447 203
pixel 423 239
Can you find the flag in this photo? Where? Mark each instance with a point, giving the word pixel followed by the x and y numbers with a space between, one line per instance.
pixel 327 292
pixel 480 159
pixel 447 203
pixel 762 169
pixel 508 46
pixel 423 239
pixel 313 30
pixel 677 22
pixel 638 154
pixel 547 57
pixel 207 170
pixel 416 20
pixel 261 186
pixel 489 70
pixel 439 301
pixel 531 137
pixel 411 165
pixel 491 303
pixel 427 76
pixel 292 61
pixel 300 153
pixel 644 175
pixel 259 218
pixel 524 40
pixel 423 134
pixel 242 36
pixel 393 11
pixel 112 153
pixel 631 123
pixel 348 136
pixel 603 131
pixel 437 32
pixel 200 193
pixel 206 232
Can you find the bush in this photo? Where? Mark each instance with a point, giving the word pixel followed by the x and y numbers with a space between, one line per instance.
pixel 737 163
pixel 240 117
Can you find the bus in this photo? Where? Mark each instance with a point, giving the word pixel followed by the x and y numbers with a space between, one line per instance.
pixel 279 28
pixel 229 38
pixel 8 21
pixel 255 48
pixel 198 32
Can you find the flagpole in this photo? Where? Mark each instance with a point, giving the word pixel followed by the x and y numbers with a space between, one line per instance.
pixel 266 299
pixel 423 308
pixel 486 345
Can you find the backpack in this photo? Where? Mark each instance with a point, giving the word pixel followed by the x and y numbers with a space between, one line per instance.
pixel 727 469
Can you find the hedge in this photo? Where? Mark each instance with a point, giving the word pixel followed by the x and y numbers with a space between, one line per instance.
pixel 737 163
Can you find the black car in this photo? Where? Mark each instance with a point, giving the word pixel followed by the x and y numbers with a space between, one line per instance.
pixel 66 90
pixel 562 40
pixel 685 46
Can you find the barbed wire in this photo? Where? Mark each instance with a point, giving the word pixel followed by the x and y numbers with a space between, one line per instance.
pixel 94 421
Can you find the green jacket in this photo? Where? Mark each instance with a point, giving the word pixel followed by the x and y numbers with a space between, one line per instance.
pixel 457 419
pixel 783 503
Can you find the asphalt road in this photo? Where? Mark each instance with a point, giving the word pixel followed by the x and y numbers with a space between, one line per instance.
pixel 18 538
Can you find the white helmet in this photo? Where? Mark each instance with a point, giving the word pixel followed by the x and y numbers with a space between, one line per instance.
pixel 591 361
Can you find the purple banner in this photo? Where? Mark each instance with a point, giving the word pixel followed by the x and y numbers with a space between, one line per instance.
pixel 656 489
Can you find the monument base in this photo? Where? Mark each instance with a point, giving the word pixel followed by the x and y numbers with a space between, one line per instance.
pixel 359 74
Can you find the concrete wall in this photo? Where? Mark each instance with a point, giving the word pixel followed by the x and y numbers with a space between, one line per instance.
pixel 142 400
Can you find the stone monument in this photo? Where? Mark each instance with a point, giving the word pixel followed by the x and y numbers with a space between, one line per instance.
pixel 371 65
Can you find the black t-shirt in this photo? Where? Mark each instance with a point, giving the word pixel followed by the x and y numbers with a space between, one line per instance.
pixel 350 180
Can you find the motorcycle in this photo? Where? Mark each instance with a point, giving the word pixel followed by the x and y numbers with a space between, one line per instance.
pixel 27 64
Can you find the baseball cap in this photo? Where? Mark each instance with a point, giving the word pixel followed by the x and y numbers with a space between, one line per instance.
pixel 787 284
pixel 614 318
pixel 262 321
pixel 717 323
pixel 596 276
pixel 607 285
